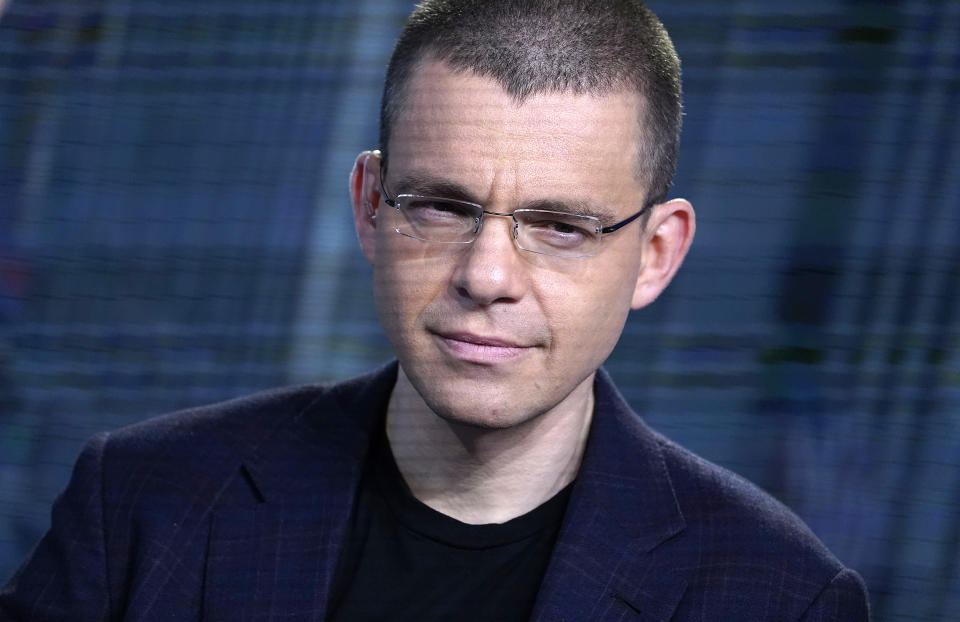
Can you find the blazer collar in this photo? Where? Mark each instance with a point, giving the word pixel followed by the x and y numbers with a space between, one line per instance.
pixel 607 562
pixel 323 446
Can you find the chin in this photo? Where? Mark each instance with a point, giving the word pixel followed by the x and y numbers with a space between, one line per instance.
pixel 488 409
pixel 484 419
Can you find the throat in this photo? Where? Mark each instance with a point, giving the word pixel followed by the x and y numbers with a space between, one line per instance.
pixel 482 475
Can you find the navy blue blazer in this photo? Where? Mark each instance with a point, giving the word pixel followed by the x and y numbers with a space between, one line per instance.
pixel 236 512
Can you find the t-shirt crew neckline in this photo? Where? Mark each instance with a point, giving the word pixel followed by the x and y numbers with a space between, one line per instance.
pixel 421 519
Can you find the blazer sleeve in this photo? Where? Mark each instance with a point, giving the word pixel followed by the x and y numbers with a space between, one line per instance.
pixel 65 578
pixel 844 599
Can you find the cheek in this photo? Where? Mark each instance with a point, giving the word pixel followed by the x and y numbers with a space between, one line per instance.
pixel 588 315
pixel 406 280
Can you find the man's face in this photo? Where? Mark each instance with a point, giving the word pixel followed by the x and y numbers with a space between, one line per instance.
pixel 488 334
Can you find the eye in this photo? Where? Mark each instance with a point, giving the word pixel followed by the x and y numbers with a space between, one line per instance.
pixel 559 226
pixel 430 209
pixel 557 230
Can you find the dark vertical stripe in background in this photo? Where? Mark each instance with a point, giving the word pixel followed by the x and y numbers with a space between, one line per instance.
pixel 174 229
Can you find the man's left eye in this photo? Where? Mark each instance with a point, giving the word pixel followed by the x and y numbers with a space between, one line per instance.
pixel 563 227
pixel 557 233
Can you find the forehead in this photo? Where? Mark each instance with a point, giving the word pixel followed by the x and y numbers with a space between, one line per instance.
pixel 466 128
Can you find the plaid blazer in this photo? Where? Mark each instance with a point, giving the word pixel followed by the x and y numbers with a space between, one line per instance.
pixel 236 512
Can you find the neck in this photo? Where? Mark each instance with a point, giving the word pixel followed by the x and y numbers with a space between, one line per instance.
pixel 481 475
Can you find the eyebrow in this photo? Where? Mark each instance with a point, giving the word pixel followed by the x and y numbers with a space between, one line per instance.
pixel 448 189
pixel 434 187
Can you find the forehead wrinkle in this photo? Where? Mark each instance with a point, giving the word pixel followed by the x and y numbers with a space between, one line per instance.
pixel 430 108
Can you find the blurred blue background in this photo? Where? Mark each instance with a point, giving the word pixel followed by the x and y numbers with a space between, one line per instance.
pixel 175 229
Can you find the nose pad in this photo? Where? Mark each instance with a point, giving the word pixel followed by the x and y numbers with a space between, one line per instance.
pixel 478 222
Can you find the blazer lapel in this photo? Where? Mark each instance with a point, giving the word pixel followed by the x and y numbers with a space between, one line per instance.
pixel 608 562
pixel 277 559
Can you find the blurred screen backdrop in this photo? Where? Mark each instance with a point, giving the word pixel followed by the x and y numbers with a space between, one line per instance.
pixel 175 230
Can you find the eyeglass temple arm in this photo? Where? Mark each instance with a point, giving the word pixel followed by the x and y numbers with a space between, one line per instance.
pixel 624 223
pixel 392 202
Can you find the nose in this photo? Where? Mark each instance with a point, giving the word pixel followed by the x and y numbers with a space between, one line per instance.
pixel 490 269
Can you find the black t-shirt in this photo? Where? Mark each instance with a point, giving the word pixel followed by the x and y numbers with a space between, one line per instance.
pixel 403 560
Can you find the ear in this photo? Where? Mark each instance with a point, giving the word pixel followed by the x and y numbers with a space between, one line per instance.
pixel 365 197
pixel 670 231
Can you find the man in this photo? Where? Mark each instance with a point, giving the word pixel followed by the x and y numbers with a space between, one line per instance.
pixel 514 216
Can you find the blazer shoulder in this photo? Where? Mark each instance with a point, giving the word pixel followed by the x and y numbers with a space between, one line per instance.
pixel 743 535
pixel 236 425
pixel 719 499
pixel 751 557
pixel 245 423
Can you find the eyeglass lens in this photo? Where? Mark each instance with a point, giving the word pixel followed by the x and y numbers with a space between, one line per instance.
pixel 539 231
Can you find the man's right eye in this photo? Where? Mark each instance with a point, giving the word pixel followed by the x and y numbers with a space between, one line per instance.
pixel 437 209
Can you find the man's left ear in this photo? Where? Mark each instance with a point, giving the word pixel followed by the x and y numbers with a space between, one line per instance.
pixel 670 230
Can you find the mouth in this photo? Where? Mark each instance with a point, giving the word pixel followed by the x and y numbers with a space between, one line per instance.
pixel 482 349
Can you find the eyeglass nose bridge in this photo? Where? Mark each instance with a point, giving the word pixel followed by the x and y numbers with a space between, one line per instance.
pixel 479 223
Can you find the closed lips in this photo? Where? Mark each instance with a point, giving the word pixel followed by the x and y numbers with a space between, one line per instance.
pixel 481 341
